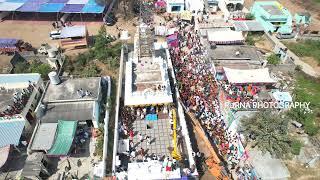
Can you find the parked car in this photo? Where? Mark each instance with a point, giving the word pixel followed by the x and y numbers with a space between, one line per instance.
pixel 55 34
pixel 111 19
pixel 285 35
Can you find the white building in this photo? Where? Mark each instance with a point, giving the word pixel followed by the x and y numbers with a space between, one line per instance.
pixel 19 96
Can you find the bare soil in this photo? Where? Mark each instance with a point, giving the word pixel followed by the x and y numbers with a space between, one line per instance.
pixel 312 62
pixel 300 172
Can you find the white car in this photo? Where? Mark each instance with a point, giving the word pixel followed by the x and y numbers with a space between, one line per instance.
pixel 56 34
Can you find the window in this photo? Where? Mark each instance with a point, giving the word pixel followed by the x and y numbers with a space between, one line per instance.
pixel 175 8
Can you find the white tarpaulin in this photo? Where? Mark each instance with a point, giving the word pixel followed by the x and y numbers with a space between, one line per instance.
pixel 225 37
pixel 237 76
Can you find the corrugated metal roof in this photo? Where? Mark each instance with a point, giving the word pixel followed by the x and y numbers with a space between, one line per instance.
pixel 18 78
pixel 10 131
pixel 246 25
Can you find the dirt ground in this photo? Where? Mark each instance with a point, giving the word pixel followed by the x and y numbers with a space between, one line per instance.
pixel 37 32
pixel 295 6
pixel 312 62
pixel 299 172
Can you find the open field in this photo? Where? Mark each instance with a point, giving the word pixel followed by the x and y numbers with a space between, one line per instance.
pixel 37 32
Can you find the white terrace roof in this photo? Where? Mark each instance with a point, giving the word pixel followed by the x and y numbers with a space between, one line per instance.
pixel 237 76
pixel 148 95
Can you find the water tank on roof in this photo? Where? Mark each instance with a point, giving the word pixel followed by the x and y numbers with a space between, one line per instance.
pixel 54 78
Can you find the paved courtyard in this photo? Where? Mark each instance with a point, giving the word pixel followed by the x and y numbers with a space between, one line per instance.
pixel 159 134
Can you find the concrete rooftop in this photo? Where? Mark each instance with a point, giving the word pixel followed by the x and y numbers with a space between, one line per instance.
pixel 272 9
pixel 79 111
pixel 67 90
pixel 229 52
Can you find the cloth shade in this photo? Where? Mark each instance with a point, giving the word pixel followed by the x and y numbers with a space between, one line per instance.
pixel 16 1
pixel 77 2
pixel 88 8
pixel 30 7
pixel 58 1
pixel 10 6
pixel 72 8
pixel 51 7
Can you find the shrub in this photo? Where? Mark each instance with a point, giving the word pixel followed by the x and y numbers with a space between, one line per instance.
pixel 273 59
pixel 296 147
pixel 298 68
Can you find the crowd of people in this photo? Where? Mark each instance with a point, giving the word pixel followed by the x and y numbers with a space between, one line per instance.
pixel 199 90
pixel 239 93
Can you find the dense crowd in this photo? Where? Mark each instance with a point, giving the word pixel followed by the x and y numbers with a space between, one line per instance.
pixel 199 90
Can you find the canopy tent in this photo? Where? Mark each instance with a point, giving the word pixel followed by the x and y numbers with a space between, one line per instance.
pixel 10 6
pixel 64 139
pixel 237 76
pixel 49 6
pixel 8 42
pixel 91 8
pixel 225 37
pixel 30 7
pixel 4 151
pixel 72 8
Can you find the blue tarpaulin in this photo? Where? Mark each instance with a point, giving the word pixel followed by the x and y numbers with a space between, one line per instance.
pixel 64 6
pixel 92 9
pixel 52 7
pixel 72 8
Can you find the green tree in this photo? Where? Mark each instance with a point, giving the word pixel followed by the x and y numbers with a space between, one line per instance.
pixel 273 59
pixel 90 71
pixel 21 67
pixel 41 68
pixel 269 131
pixel 250 16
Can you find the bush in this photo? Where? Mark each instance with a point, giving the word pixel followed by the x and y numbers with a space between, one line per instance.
pixel 296 146
pixel 250 40
pixel 250 16
pixel 298 68
pixel 273 59
pixel 33 67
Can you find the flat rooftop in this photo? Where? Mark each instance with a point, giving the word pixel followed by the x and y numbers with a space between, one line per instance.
pixel 272 9
pixel 14 83
pixel 80 111
pixel 149 81
pixel 44 137
pixel 234 53
pixel 67 90
pixel 6 98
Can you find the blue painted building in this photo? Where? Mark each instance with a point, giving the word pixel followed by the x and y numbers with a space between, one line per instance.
pixel 272 16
